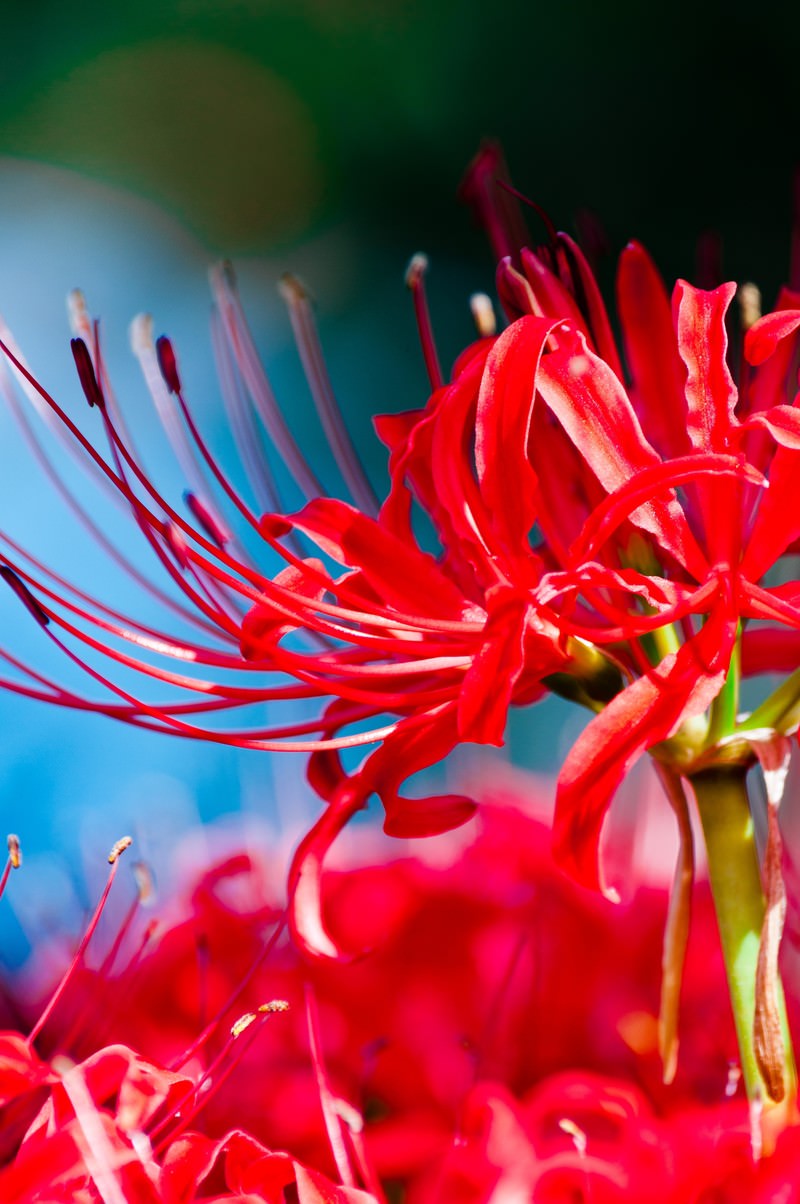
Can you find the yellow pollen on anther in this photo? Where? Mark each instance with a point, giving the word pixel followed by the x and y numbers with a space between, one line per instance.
pixel 243 1023
pixel 119 848
pixel 275 1005
pixel 14 851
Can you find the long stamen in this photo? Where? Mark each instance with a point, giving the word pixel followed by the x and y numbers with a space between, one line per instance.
pixel 240 988
pixel 331 1105
pixel 246 431
pixel 145 350
pixel 113 857
pixel 13 861
pixel 97 534
pixel 223 284
pixel 492 204
pixel 415 281
pixel 242 1035
pixel 483 315
pixel 319 382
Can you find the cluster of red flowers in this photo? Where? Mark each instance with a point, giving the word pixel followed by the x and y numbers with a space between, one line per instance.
pixel 499 1043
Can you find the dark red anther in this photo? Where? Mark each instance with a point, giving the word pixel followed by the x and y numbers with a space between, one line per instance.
pixel 210 524
pixel 83 362
pixel 168 364
pixel 178 545
pixel 24 594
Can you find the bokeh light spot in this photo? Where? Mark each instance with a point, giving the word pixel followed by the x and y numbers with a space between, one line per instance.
pixel 201 128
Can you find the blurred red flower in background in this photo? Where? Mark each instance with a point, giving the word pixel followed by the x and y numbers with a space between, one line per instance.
pixel 499 1042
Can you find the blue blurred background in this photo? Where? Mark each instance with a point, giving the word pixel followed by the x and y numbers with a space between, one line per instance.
pixel 140 142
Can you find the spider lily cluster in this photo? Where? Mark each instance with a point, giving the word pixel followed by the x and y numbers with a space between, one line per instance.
pixel 609 515
pixel 155 1071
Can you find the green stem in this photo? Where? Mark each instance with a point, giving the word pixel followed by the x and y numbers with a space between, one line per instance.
pixel 733 868
pixel 725 707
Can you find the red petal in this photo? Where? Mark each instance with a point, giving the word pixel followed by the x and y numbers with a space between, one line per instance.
pixel 651 351
pixel 502 428
pixel 645 486
pixel 592 303
pixel 703 347
pixel 764 335
pixel 265 623
pixel 486 693
pixel 305 873
pixel 552 299
pixel 400 573
pixel 770 650
pixel 418 742
pixel 594 410
pixel 647 712
pixel 782 422
pixel 777 522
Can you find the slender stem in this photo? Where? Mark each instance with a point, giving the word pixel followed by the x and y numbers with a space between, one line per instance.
pixel 725 707
pixel 733 868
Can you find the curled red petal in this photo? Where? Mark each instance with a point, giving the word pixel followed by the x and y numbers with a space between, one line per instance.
pixel 764 335
pixel 782 422
pixel 703 346
pixel 265 623
pixel 399 572
pixel 489 683
pixel 419 741
pixel 305 873
pixel 646 485
pixel 502 429
pixel 648 711
pixel 592 406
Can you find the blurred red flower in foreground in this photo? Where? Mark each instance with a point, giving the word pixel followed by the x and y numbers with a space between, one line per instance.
pixel 498 1044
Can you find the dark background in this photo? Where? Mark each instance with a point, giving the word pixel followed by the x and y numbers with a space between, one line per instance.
pixel 258 121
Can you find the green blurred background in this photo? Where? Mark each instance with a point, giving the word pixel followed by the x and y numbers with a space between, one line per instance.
pixel 258 122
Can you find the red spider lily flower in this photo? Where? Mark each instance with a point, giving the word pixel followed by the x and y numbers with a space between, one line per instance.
pixel 652 498
pixel 407 647
pixel 595 533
